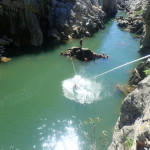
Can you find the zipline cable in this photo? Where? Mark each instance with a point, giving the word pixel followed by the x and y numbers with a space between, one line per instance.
pixel 121 66
pixel 73 65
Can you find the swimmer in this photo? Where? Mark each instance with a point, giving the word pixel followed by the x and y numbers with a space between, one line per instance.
pixel 75 86
pixel 85 59
pixel 68 51
pixel 103 55
pixel 95 54
pixel 107 56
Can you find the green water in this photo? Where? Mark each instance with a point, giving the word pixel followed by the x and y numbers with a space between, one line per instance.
pixel 35 114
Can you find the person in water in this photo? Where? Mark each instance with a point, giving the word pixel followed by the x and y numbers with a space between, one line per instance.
pixel 103 55
pixel 85 59
pixel 75 86
pixel 65 54
pixel 81 41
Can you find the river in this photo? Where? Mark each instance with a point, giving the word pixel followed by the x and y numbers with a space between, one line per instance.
pixel 36 112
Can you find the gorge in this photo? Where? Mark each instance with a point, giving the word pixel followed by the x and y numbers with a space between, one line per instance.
pixel 36 112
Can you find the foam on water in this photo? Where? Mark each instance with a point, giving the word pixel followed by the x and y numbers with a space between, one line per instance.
pixel 85 91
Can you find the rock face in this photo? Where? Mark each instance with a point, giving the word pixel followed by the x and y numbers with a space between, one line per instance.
pixel 110 7
pixel 132 130
pixel 145 42
pixel 121 4
pixel 4 41
pixel 134 23
pixel 141 7
pixel 135 5
pixel 29 22
pixel 131 24
pixel 19 21
pixel 82 54
pixel 138 74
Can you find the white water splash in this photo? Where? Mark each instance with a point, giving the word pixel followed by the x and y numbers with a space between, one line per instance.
pixel 85 91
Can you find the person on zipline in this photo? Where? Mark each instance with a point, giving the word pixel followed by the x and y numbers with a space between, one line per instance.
pixel 81 40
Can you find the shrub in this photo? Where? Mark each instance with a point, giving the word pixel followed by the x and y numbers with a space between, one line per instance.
pixel 147 72
pixel 140 12
pixel 128 142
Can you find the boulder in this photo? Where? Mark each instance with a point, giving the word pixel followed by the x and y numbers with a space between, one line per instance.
pixel 82 54
pixel 131 24
pixel 122 23
pixel 138 74
pixel 5 59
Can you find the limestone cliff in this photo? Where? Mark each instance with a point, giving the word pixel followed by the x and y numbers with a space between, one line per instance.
pixel 29 22
pixel 139 10
pixel 132 130
pixel 145 42
pixel 135 5
pixel 121 4
pixel 142 7
pixel 138 74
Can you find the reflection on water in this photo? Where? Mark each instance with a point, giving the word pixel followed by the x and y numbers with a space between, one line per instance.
pixel 81 90
pixel 61 139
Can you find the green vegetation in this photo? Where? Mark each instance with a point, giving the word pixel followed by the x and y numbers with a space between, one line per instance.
pixel 103 136
pixel 128 142
pixel 147 72
pixel 91 121
pixel 116 129
pixel 140 12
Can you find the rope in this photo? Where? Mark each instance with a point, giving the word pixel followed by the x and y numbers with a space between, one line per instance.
pixel 120 66
pixel 73 65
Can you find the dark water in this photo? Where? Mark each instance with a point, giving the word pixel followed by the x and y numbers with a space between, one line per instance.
pixel 35 113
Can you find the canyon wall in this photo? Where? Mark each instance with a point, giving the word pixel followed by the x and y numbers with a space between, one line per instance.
pixel 30 22
pixel 132 130
pixel 145 42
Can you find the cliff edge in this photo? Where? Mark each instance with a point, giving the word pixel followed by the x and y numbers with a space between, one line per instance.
pixel 132 130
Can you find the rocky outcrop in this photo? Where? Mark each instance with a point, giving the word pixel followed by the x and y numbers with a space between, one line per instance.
pixel 4 41
pixel 141 8
pixel 121 4
pixel 110 7
pixel 145 42
pixel 138 74
pixel 132 130
pixel 135 5
pixel 29 22
pixel 83 54
pixel 131 24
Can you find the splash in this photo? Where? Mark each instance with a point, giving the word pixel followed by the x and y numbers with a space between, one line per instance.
pixel 81 90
